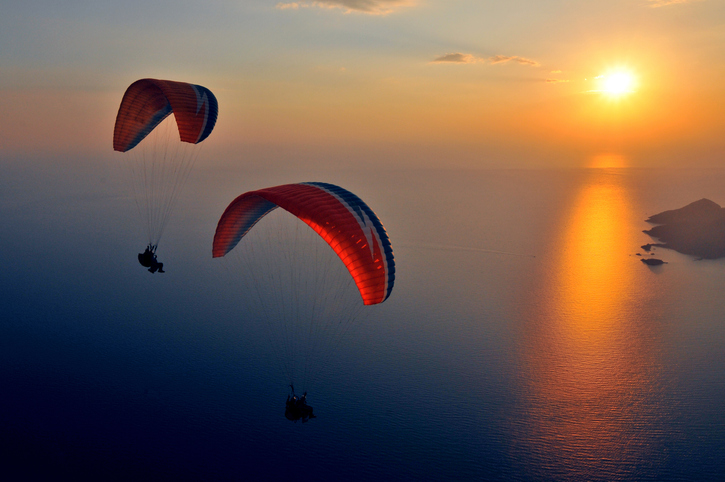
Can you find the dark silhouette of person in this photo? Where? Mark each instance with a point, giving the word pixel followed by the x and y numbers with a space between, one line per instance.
pixel 296 408
pixel 148 260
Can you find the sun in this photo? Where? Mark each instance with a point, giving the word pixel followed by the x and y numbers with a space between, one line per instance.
pixel 617 83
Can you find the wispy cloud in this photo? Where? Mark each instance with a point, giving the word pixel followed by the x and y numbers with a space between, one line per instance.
pixel 460 58
pixel 456 58
pixel 664 3
pixel 373 7
pixel 499 59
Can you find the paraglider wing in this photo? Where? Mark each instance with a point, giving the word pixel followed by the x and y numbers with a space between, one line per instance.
pixel 147 102
pixel 341 218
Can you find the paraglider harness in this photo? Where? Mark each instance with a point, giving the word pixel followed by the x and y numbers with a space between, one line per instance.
pixel 297 408
pixel 148 259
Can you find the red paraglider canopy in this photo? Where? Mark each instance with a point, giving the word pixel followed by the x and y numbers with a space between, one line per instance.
pixel 147 102
pixel 343 220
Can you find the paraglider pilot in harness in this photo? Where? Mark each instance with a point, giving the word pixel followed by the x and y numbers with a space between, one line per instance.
pixel 297 408
pixel 148 260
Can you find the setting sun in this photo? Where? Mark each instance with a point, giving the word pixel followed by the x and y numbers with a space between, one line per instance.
pixel 617 83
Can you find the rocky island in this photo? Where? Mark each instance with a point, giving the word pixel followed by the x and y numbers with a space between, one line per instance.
pixel 653 261
pixel 697 229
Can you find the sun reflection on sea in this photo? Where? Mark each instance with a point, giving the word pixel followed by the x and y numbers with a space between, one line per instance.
pixel 587 362
pixel 608 161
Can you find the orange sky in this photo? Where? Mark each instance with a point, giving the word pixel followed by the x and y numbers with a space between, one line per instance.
pixel 407 84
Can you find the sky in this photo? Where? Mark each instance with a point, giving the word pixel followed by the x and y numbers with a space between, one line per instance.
pixel 380 83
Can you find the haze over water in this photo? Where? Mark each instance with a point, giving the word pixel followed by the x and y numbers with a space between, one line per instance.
pixel 524 339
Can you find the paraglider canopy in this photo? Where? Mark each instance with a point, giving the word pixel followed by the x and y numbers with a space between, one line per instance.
pixel 341 218
pixel 147 102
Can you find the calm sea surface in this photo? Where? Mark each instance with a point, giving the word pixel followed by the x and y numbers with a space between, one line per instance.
pixel 524 339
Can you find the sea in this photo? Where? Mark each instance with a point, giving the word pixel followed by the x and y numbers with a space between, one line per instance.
pixel 524 339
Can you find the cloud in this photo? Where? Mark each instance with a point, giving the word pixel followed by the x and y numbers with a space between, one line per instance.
pixel 664 3
pixel 555 81
pixel 456 58
pixel 556 71
pixel 499 59
pixel 373 7
pixel 459 58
